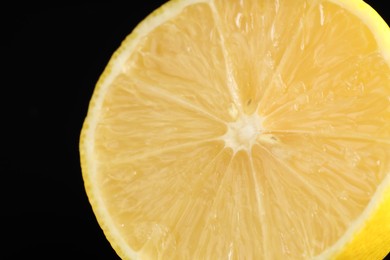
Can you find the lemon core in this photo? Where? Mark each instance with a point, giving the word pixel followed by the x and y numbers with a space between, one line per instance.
pixel 243 132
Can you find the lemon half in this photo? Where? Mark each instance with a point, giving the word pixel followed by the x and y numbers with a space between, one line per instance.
pixel 244 129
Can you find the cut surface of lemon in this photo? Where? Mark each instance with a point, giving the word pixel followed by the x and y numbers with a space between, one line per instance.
pixel 245 129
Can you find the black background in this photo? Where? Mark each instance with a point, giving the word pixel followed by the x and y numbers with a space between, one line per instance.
pixel 51 58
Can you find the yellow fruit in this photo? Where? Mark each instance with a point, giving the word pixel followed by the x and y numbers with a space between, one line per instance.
pixel 245 129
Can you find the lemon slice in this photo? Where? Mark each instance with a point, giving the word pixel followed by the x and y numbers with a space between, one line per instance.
pixel 248 129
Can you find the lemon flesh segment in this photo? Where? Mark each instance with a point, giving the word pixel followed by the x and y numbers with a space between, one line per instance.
pixel 242 130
